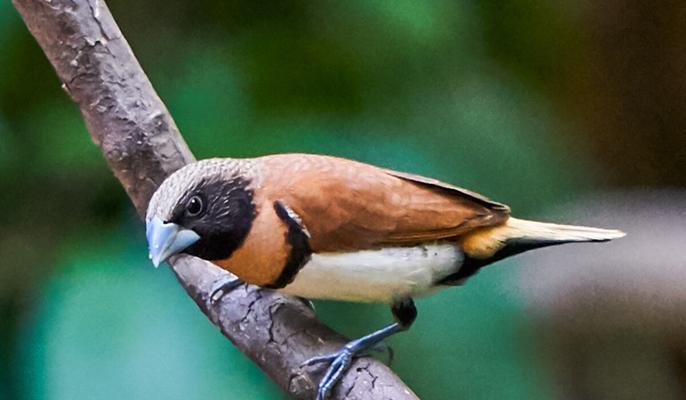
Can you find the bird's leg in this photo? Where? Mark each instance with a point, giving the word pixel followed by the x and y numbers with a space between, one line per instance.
pixel 404 313
pixel 223 286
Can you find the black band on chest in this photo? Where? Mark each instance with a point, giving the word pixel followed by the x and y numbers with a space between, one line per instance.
pixel 299 241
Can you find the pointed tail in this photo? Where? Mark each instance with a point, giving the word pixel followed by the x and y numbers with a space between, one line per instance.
pixel 519 235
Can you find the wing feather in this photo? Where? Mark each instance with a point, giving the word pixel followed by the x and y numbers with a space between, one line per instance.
pixel 348 205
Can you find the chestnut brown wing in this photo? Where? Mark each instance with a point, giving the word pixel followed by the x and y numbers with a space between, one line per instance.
pixel 347 205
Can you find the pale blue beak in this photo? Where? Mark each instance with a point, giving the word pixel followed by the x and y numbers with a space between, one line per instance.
pixel 165 240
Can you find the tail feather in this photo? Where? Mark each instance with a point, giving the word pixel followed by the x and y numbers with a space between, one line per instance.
pixel 521 228
pixel 518 235
pixel 488 245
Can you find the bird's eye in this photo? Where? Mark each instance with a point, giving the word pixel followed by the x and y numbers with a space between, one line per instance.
pixel 195 206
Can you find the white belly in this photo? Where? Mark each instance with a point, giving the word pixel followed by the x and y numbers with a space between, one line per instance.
pixel 376 275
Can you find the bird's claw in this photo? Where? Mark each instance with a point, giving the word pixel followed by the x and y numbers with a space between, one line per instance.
pixel 319 359
pixel 223 286
pixel 307 302
pixel 340 362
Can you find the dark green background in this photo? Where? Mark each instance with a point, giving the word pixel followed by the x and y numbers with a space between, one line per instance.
pixel 522 101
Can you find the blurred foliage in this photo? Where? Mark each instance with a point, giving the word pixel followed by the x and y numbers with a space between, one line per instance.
pixel 471 93
pixel 109 328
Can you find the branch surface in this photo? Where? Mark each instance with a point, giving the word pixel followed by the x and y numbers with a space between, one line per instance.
pixel 142 145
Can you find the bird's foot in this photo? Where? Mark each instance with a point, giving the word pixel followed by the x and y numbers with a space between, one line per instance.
pixel 223 286
pixel 339 362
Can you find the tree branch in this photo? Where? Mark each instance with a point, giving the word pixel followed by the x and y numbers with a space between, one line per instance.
pixel 142 145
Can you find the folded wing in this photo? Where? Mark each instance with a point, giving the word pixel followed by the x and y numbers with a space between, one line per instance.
pixel 346 205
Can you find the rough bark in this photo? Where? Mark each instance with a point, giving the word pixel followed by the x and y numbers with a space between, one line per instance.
pixel 142 145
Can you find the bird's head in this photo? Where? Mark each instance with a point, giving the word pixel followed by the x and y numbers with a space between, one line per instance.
pixel 204 209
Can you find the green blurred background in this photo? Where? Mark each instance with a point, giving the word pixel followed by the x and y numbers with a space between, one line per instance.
pixel 534 104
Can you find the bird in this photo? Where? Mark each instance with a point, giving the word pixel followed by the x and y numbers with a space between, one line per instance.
pixel 324 227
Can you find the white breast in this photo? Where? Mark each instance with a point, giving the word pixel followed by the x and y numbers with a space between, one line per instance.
pixel 376 275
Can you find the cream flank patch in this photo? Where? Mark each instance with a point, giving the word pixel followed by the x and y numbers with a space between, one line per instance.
pixel 376 275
